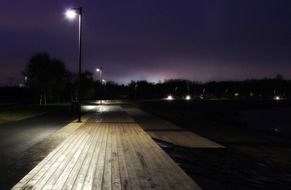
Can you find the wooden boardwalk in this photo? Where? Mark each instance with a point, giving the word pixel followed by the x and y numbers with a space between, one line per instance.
pixel 166 131
pixel 108 153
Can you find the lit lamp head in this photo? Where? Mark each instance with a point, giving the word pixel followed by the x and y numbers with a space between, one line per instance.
pixel 98 70
pixel 277 98
pixel 169 97
pixel 71 14
pixel 188 97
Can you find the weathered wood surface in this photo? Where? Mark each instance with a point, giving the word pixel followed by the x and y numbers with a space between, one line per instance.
pixel 163 130
pixel 115 154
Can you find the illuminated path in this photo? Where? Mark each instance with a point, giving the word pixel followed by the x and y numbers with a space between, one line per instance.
pixel 108 151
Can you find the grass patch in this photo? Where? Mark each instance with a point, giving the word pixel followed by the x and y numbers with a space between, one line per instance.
pixel 17 115
pixel 13 113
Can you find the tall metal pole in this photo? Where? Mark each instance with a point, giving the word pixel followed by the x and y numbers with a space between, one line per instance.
pixel 101 71
pixel 80 63
pixel 101 74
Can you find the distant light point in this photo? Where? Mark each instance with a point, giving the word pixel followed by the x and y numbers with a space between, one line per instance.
pixel 188 97
pixel 277 98
pixel 170 97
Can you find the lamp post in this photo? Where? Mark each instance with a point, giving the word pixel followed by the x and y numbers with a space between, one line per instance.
pixel 71 14
pixel 99 70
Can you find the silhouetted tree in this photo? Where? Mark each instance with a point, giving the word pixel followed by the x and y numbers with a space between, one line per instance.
pixel 46 74
pixel 59 79
pixel 87 90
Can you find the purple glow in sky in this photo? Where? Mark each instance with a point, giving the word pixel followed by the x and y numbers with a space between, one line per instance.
pixel 152 40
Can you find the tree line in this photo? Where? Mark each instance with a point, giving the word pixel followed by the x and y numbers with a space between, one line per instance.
pixel 48 80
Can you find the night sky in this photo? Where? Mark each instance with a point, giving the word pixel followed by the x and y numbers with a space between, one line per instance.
pixel 152 39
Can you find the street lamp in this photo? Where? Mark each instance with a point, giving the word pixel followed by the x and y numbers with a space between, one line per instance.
pixel 188 97
pixel 71 14
pixel 99 70
pixel 102 81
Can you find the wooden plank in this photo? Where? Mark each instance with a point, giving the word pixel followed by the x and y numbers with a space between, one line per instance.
pixel 76 166
pixel 32 177
pixel 106 184
pixel 164 168
pixel 172 171
pixel 140 165
pixel 158 181
pixel 98 177
pixel 59 164
pixel 133 181
pixel 35 170
pixel 86 162
pixel 88 183
pixel 115 177
pixel 71 174
pixel 164 130
pixel 184 138
pixel 124 175
pixel 60 175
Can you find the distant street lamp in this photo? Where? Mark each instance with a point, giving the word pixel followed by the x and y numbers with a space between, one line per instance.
pixel 169 97
pixel 277 98
pixel 103 84
pixel 25 81
pixel 102 81
pixel 99 70
pixel 188 97
pixel 71 14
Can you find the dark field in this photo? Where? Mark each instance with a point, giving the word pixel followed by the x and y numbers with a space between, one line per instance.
pixel 12 112
pixel 256 134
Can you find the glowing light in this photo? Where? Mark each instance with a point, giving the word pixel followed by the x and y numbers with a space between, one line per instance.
pixel 98 70
pixel 170 97
pixel 201 97
pixel 104 81
pixel 236 94
pixel 88 107
pixel 71 14
pixel 188 97
pixel 277 98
